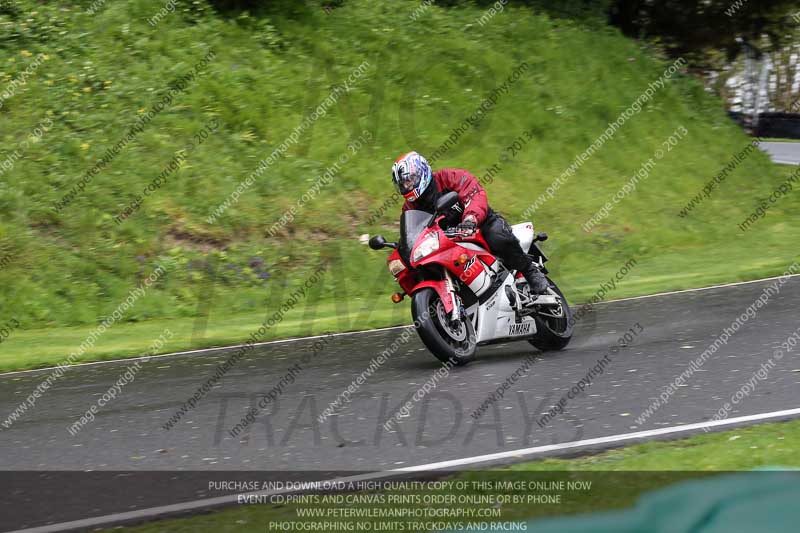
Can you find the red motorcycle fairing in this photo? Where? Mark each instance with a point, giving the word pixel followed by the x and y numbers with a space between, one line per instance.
pixel 405 278
pixel 440 286
pixel 409 285
pixel 451 256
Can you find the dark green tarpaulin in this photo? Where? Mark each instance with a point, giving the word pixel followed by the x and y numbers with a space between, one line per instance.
pixel 731 503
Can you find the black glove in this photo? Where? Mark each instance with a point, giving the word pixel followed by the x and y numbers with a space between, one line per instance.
pixel 467 227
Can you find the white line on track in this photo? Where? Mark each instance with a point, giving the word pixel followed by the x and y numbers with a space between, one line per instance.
pixel 363 332
pixel 599 441
pixel 206 350
pixel 524 453
pixel 733 284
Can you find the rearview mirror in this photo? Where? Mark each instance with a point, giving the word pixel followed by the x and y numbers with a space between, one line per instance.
pixel 376 242
pixel 446 201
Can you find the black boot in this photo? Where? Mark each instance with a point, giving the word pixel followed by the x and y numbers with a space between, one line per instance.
pixel 536 280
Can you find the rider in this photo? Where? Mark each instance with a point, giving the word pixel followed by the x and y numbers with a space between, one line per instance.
pixel 421 187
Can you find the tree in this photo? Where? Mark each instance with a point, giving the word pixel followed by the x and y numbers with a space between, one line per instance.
pixel 695 29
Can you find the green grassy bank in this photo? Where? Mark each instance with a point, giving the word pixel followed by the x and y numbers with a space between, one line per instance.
pixel 90 77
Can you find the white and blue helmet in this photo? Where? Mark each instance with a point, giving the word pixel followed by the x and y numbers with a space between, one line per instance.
pixel 411 175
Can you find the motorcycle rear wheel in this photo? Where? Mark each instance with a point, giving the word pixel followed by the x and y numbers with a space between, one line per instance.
pixel 554 333
pixel 449 341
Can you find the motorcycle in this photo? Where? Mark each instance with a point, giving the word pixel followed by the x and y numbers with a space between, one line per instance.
pixel 462 296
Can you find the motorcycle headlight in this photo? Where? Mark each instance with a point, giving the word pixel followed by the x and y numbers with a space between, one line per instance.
pixel 428 245
pixel 396 266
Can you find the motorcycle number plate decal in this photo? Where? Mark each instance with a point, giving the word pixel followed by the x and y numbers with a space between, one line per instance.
pixel 519 329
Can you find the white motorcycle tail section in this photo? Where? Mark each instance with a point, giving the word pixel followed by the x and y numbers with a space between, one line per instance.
pixel 524 232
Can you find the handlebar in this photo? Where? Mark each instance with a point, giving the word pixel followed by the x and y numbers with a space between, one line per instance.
pixel 454 233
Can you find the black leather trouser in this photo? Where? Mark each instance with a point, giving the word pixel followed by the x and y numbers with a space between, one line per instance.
pixel 503 243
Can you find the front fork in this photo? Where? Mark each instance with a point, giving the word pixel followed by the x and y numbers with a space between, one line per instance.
pixel 448 282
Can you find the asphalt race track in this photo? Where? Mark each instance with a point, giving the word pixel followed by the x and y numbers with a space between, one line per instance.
pixel 673 329
pixel 787 153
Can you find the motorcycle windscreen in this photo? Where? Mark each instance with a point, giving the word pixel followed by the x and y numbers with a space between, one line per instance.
pixel 412 224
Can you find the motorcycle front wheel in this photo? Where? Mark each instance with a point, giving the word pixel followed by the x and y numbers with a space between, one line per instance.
pixel 449 340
